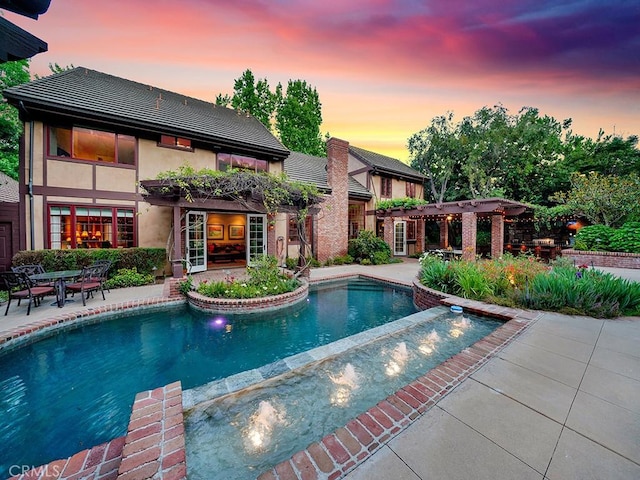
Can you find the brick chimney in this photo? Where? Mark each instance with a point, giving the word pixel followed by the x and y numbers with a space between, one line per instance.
pixel 333 220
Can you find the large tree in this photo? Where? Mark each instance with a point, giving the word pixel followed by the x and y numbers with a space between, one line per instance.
pixel 298 118
pixel 253 97
pixel 11 74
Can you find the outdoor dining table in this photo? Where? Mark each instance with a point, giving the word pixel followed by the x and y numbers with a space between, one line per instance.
pixel 58 278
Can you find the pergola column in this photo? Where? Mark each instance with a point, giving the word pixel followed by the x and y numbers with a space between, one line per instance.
pixel 497 236
pixel 176 266
pixel 388 232
pixel 444 233
pixel 469 234
pixel 420 235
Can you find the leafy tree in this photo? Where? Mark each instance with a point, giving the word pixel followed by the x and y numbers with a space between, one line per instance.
pixel 438 153
pixel 298 118
pixel 56 68
pixel 607 155
pixel 11 74
pixel 603 199
pixel 253 97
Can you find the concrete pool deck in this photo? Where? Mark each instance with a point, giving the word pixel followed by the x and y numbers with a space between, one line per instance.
pixel 560 400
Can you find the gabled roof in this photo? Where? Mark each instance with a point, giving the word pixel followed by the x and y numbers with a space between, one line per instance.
pixel 387 165
pixel 85 93
pixel 9 192
pixel 311 169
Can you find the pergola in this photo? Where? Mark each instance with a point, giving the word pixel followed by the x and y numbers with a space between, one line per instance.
pixel 497 209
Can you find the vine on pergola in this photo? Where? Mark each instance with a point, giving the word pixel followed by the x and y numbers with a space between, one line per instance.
pixel 274 192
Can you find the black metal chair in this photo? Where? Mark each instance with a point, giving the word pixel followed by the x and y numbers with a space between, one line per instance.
pixel 18 285
pixel 90 281
pixel 106 265
pixel 33 269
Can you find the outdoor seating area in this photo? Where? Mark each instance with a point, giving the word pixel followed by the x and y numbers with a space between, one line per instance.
pixel 33 282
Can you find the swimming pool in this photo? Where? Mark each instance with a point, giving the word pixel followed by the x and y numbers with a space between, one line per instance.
pixel 239 436
pixel 75 389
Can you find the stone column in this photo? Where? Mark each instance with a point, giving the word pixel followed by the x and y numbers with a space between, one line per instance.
pixel 497 236
pixel 388 232
pixel 469 234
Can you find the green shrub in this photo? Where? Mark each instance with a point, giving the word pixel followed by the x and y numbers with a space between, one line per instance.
pixel 594 238
pixel 366 246
pixel 144 260
pixel 626 238
pixel 343 260
pixel 185 286
pixel 291 263
pixel 129 277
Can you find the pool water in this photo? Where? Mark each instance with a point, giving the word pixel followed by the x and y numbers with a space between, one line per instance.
pixel 241 435
pixel 75 390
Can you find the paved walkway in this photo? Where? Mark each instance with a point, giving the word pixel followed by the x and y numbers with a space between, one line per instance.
pixel 561 401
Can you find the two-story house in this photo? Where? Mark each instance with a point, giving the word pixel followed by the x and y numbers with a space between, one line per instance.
pixel 91 139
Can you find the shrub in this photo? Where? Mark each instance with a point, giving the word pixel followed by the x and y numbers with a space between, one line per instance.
pixel 594 238
pixel 626 238
pixel 185 286
pixel 129 277
pixel 265 279
pixel 291 263
pixel 144 260
pixel 366 246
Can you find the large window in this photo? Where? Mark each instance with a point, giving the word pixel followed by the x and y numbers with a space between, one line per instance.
pixel 175 142
pixel 292 231
pixel 90 227
pixel 227 161
pixel 92 145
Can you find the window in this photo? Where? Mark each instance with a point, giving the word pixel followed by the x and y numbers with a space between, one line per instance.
pixel 90 227
pixel 385 187
pixel 227 161
pixel 93 145
pixel 356 219
pixel 411 229
pixel 411 190
pixel 175 142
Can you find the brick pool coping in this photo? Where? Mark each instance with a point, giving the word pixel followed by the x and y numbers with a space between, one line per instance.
pixel 154 444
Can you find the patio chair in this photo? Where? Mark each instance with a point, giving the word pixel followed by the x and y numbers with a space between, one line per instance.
pixel 32 269
pixel 18 285
pixel 90 281
pixel 106 265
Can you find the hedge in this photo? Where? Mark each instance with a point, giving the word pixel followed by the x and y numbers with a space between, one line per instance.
pixel 145 260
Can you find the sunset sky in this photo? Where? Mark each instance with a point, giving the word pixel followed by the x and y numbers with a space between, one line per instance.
pixel 383 68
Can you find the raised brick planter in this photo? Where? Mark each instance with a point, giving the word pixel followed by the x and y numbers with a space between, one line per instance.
pixel 603 259
pixel 248 305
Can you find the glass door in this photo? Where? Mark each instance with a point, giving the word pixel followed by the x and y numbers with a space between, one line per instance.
pixel 257 236
pixel 400 237
pixel 195 247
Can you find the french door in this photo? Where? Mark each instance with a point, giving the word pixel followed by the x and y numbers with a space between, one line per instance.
pixel 256 236
pixel 195 247
pixel 400 237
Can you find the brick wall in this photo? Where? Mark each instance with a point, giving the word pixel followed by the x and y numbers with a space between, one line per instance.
pixel 604 259
pixel 333 220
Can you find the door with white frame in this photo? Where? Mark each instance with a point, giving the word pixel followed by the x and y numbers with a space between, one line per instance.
pixel 256 236
pixel 196 245
pixel 399 237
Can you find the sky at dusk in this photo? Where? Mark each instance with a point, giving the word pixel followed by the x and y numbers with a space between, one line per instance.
pixel 383 68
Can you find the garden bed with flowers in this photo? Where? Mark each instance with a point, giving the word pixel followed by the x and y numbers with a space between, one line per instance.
pixel 265 287
pixel 523 282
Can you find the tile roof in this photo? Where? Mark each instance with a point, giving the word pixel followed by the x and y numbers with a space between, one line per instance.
pixel 89 93
pixel 8 189
pixel 311 169
pixel 385 164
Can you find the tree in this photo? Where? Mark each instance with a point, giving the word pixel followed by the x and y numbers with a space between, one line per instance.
pixel 56 68
pixel 607 155
pixel 11 74
pixel 438 153
pixel 603 199
pixel 298 118
pixel 252 97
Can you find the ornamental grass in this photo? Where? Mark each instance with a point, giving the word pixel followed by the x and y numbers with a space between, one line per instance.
pixel 524 282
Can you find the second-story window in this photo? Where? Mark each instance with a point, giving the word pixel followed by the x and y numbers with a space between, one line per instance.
pixel 385 187
pixel 411 190
pixel 94 145
pixel 175 142
pixel 227 161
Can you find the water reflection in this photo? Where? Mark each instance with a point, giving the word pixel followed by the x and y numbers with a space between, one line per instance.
pixel 345 383
pixel 399 358
pixel 261 425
